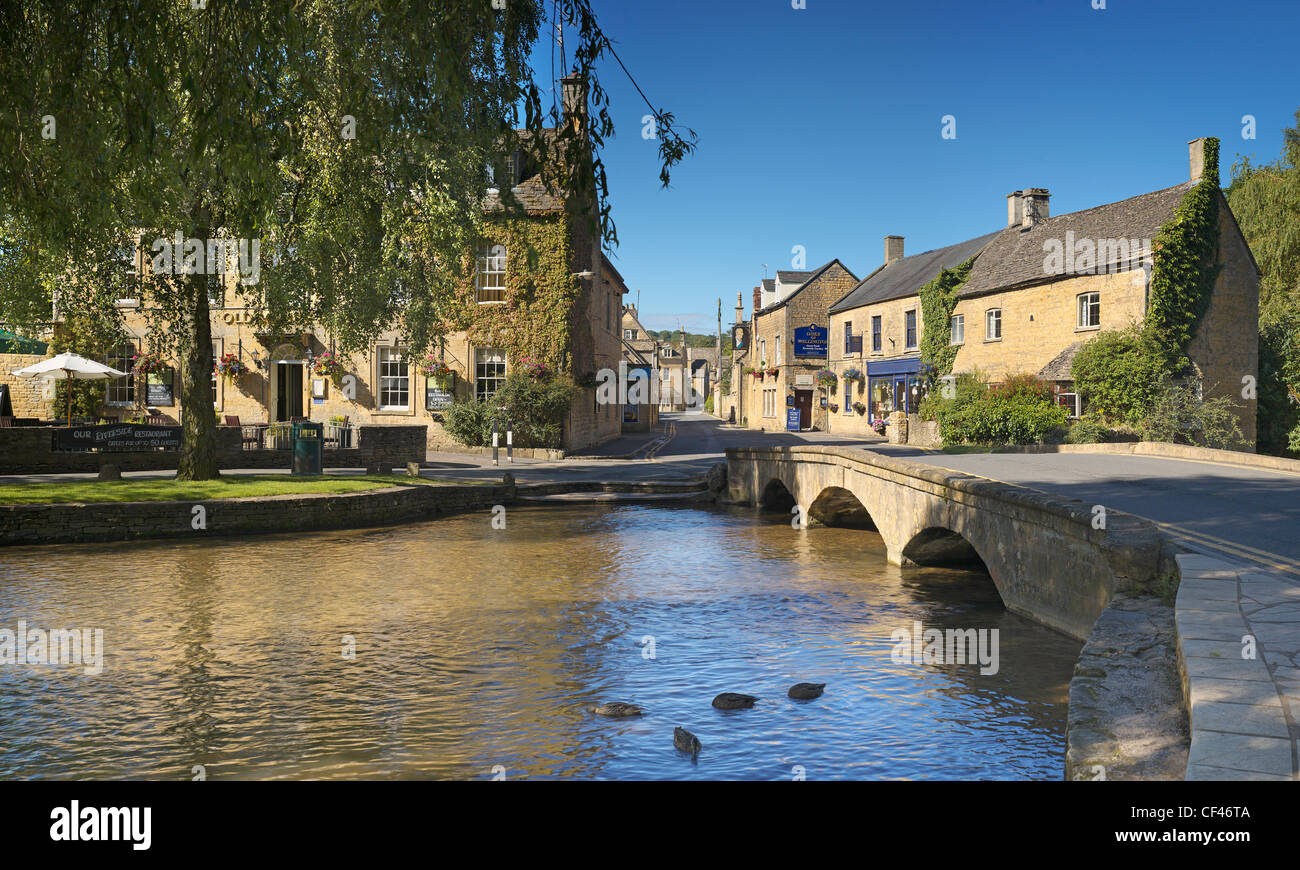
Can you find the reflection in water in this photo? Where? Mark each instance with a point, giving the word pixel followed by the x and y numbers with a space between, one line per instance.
pixel 478 647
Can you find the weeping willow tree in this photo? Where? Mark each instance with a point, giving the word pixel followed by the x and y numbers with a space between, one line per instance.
pixel 342 145
pixel 1265 199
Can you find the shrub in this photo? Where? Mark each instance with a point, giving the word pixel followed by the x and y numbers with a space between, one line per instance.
pixel 1278 416
pixel 1178 417
pixel 1118 375
pixel 1087 432
pixel 534 406
pixel 1018 411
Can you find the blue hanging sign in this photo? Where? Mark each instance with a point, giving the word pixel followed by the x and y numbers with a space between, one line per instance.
pixel 810 341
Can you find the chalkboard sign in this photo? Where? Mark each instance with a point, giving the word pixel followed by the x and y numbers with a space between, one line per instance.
pixel 116 438
pixel 6 407
pixel 160 392
pixel 436 399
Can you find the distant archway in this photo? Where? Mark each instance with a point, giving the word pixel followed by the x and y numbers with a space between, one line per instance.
pixel 939 546
pixel 776 497
pixel 836 506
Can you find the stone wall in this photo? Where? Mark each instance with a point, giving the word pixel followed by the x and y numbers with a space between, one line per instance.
pixel 923 433
pixel 26 450
pixel 1041 321
pixel 122 521
pixel 892 314
pixel 31 397
pixel 776 326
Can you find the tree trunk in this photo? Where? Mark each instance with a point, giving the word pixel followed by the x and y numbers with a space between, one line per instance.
pixel 198 459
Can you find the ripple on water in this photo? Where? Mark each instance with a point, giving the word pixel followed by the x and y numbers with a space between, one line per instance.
pixel 477 647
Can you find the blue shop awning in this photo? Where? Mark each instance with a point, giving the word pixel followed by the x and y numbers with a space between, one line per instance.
pixel 906 366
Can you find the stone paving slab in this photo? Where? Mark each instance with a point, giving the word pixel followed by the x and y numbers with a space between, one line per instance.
pixel 1242 708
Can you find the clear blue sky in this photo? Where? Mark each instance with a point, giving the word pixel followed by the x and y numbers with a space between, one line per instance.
pixel 821 127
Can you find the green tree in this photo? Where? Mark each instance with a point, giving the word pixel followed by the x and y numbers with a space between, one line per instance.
pixel 350 138
pixel 1119 374
pixel 1265 200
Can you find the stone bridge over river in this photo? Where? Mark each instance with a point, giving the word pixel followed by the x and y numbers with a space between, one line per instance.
pixel 1043 552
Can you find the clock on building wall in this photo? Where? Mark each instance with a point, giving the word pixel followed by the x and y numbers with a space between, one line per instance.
pixel 739 336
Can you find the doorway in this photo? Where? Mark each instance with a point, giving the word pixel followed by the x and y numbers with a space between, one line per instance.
pixel 287 400
pixel 803 401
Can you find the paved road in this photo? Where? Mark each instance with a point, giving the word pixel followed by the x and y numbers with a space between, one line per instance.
pixel 1249 514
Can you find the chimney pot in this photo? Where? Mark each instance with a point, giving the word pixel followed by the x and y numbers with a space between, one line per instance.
pixel 893 249
pixel 1196 158
pixel 1035 204
pixel 1015 208
pixel 758 299
pixel 573 99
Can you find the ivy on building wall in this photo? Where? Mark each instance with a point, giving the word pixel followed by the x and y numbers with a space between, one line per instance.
pixel 938 300
pixel 1185 268
pixel 540 292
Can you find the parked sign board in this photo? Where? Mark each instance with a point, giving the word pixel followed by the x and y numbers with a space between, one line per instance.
pixel 436 399
pixel 792 419
pixel 116 438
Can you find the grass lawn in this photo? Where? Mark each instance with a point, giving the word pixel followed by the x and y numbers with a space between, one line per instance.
pixel 229 486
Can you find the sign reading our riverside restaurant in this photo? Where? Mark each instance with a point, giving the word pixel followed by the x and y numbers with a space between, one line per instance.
pixel 810 340
pixel 117 438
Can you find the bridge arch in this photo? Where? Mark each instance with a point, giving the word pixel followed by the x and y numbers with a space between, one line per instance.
pixel 837 506
pixel 776 496
pixel 936 545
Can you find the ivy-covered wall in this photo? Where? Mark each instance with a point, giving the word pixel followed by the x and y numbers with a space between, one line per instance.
pixel 938 301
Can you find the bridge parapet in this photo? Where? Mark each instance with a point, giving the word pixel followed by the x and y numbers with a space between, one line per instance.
pixel 1055 560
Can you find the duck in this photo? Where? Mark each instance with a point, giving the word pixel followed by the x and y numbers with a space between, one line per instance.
pixel 615 709
pixel 686 741
pixel 806 691
pixel 733 701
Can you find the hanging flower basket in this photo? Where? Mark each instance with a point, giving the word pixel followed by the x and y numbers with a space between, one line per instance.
pixel 143 364
pixel 758 373
pixel 827 379
pixel 859 407
pixel 774 372
pixel 438 371
pixel 329 365
pixel 833 408
pixel 230 366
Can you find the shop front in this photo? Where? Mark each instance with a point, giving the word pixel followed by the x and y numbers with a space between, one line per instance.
pixel 893 385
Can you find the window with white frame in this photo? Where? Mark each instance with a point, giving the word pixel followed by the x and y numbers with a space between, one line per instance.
pixel 848 396
pixel 121 391
pixel 394 380
pixel 131 292
pixel 876 334
pixel 216 390
pixel 490 274
pixel 778 348
pixel 1089 310
pixel 993 324
pixel 762 350
pixel 489 372
pixel 957 329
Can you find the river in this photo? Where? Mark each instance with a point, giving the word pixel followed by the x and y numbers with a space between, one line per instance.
pixel 453 649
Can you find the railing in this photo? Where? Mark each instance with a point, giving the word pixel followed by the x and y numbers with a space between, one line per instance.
pixel 279 436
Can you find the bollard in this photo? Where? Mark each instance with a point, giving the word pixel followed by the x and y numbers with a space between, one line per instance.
pixel 495 438
pixel 510 442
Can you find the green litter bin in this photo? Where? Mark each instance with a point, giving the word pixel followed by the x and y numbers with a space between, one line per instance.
pixel 308 446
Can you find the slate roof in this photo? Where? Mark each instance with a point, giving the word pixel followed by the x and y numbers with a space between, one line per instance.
pixel 906 276
pixel 1015 258
pixel 789 277
pixel 1059 368
pixel 812 276
pixel 769 284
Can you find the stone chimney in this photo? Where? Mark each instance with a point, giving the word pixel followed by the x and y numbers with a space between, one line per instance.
pixel 1015 208
pixel 893 249
pixel 740 307
pixel 1196 158
pixel 573 100
pixel 758 299
pixel 1035 200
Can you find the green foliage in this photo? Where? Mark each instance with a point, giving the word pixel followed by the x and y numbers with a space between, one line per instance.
pixel 1087 432
pixel 1118 374
pixel 1265 200
pixel 938 300
pixel 535 408
pixel 1183 275
pixel 1018 411
pixel 1178 417
pixel 1278 418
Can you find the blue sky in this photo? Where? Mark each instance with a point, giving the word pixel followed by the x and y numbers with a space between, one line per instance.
pixel 821 127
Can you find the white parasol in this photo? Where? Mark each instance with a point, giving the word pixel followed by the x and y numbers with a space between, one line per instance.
pixel 69 366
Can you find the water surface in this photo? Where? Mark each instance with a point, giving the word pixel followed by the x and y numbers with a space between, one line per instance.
pixel 477 649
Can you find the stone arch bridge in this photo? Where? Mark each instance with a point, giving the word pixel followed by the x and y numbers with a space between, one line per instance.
pixel 1043 553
